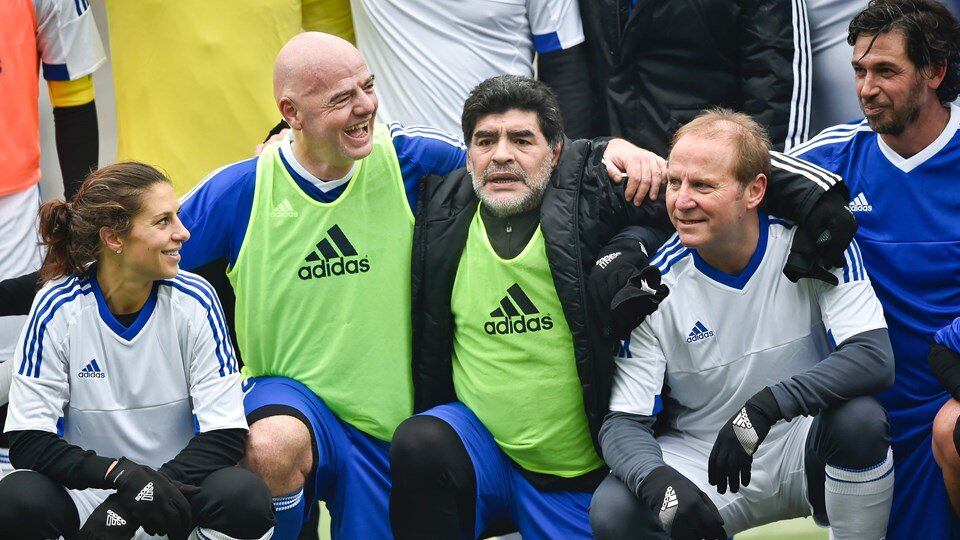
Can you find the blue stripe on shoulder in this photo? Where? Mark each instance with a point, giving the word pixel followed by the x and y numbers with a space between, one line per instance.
pixel 665 267
pixel 207 290
pixel 668 248
pixel 189 290
pixel 65 296
pixel 547 43
pixel 782 222
pixel 42 305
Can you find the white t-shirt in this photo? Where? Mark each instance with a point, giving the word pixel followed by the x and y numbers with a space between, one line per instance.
pixel 427 55
pixel 719 339
pixel 141 392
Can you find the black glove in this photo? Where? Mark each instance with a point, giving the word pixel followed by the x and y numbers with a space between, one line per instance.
pixel 109 521
pixel 804 262
pixel 684 510
pixel 732 454
pixel 945 365
pixel 158 503
pixel 623 288
pixel 831 226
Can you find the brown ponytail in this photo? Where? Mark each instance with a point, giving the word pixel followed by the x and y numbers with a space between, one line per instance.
pixel 110 197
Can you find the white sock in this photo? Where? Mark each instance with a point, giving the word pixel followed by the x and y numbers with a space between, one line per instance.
pixel 858 500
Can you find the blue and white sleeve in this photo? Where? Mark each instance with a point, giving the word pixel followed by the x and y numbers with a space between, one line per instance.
pixel 555 25
pixel 639 374
pixel 423 151
pixel 67 39
pixel 949 336
pixel 40 389
pixel 216 212
pixel 214 375
pixel 851 307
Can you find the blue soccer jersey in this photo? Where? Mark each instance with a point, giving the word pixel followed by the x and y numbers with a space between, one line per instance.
pixel 908 210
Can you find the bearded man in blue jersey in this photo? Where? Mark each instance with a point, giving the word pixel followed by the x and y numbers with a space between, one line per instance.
pixel 901 163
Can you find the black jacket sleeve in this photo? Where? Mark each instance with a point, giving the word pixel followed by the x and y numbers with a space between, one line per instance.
pixel 78 143
pixel 64 463
pixel 206 453
pixel 795 186
pixel 629 447
pixel 773 93
pixel 565 72
pixel 16 294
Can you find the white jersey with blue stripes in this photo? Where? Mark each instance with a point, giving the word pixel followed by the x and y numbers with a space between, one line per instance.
pixel 718 338
pixel 141 391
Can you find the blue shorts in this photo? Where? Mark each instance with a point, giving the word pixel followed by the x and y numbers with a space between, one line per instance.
pixel 351 469
pixel 502 492
pixel 921 508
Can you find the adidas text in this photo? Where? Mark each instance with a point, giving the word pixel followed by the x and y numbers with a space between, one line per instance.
pixel 698 337
pixel 92 375
pixel 284 209
pixel 338 267
pixel 518 325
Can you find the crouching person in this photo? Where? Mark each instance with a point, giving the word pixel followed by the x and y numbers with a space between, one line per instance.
pixel 126 415
pixel 766 418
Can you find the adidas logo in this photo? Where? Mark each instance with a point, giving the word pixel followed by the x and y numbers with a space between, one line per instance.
pixel 146 494
pixel 668 508
pixel 114 519
pixel 699 332
pixel 333 259
pixel 860 204
pixel 284 209
pixel 669 499
pixel 517 315
pixel 92 371
pixel 742 420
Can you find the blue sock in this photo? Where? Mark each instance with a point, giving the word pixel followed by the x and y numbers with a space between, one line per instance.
pixel 288 510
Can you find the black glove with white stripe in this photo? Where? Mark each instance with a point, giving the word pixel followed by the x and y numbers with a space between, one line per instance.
pixel 623 288
pixel 109 521
pixel 821 239
pixel 684 510
pixel 158 503
pixel 732 454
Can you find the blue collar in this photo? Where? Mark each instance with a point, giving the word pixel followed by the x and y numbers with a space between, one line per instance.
pixel 738 281
pixel 105 314
pixel 311 190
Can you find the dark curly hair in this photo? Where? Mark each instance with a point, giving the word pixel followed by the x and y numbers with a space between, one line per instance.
pixel 932 36
pixel 504 92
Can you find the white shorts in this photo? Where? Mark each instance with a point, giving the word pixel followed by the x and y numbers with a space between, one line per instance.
pixel 20 253
pixel 778 486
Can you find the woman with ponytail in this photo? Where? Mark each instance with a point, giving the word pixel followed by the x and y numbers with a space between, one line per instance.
pixel 125 413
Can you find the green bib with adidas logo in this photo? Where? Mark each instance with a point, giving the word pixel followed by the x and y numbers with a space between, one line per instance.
pixel 513 363
pixel 323 289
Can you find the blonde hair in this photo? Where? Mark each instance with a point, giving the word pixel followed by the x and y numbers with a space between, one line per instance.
pixel 748 137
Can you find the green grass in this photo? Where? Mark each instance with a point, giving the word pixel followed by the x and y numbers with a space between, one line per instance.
pixel 794 529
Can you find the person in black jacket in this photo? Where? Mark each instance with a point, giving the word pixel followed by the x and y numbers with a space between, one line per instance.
pixel 656 64
pixel 512 370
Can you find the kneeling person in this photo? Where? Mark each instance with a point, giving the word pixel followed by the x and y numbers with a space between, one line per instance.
pixel 742 363
pixel 126 410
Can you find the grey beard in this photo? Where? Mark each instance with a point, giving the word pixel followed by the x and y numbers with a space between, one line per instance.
pixel 536 185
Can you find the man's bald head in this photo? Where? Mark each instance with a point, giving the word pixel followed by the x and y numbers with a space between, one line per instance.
pixel 325 93
pixel 311 61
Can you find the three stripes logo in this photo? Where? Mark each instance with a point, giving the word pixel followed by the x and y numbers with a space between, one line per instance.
pixel 516 315
pixel 284 210
pixel 146 494
pixel 92 371
pixel 860 204
pixel 333 256
pixel 114 519
pixel 699 332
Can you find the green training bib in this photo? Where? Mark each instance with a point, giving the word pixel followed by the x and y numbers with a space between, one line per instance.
pixel 323 289
pixel 513 361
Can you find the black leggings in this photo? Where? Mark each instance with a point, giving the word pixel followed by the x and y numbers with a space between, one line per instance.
pixel 232 501
pixel 853 434
pixel 434 484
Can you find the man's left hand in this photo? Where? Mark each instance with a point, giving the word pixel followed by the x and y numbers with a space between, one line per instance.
pixel 738 440
pixel 643 170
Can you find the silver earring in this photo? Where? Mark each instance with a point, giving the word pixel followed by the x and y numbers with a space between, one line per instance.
pixel 119 250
